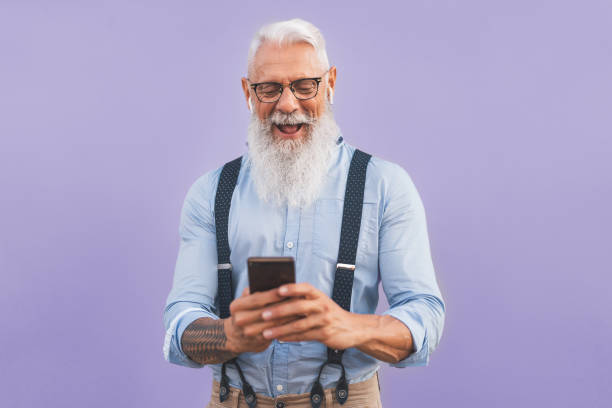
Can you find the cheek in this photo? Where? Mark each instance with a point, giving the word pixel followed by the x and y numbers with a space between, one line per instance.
pixel 264 110
pixel 320 102
pixel 314 108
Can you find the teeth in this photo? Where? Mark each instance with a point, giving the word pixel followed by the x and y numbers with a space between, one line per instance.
pixel 290 129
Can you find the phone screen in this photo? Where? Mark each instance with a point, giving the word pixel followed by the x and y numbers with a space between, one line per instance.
pixel 267 273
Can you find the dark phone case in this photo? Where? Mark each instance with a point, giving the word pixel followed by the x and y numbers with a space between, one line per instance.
pixel 267 273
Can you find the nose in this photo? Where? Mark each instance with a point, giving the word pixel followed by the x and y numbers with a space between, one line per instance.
pixel 288 102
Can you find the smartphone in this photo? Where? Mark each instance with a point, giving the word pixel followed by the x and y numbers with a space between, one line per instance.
pixel 267 273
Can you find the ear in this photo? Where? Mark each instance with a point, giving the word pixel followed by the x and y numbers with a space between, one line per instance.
pixel 247 93
pixel 331 84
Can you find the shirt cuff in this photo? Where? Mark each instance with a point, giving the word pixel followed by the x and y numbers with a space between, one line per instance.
pixel 420 356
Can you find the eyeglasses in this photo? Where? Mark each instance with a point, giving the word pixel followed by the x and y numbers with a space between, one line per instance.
pixel 303 89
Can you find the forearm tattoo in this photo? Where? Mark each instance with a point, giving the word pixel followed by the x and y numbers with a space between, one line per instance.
pixel 204 341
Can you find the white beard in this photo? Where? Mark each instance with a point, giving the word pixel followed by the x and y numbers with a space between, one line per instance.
pixel 291 171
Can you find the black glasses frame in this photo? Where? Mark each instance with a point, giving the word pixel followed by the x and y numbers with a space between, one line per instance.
pixel 290 85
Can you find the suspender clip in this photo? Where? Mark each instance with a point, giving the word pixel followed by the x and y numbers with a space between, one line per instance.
pixel 334 356
pixel 345 266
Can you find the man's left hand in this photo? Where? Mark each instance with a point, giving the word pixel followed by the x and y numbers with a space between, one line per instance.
pixel 322 319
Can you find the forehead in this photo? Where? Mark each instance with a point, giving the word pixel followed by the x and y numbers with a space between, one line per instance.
pixel 285 63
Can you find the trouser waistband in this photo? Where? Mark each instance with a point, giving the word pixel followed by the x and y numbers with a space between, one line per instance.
pixel 361 394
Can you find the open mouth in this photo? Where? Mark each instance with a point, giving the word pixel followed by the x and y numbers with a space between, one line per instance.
pixel 289 129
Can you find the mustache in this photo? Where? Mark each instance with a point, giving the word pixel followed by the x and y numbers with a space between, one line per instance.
pixel 293 118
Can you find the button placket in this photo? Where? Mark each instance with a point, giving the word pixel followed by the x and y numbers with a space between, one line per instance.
pixel 290 246
pixel 292 231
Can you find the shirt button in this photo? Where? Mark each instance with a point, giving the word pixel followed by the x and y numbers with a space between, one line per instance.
pixel 289 244
pixel 279 387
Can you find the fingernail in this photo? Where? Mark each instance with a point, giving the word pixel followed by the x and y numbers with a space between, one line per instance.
pixel 267 314
pixel 267 333
pixel 283 290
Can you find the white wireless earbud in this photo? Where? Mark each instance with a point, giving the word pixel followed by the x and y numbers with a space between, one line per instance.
pixel 250 105
pixel 331 96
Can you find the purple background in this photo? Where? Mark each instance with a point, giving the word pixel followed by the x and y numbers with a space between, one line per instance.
pixel 500 111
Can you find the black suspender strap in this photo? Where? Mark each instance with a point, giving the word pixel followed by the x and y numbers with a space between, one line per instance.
pixel 345 268
pixel 349 232
pixel 223 200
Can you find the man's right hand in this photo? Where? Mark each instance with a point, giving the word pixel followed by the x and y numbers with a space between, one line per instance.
pixel 245 325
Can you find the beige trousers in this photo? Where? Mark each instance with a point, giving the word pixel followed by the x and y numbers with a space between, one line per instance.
pixel 365 394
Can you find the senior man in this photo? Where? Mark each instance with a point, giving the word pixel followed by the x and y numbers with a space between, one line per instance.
pixel 349 220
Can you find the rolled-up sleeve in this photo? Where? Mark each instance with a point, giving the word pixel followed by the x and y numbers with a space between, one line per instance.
pixel 406 268
pixel 195 275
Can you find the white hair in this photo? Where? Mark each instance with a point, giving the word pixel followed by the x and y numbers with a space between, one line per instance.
pixel 289 32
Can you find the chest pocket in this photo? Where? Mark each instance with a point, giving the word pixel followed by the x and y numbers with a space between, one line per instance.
pixel 326 231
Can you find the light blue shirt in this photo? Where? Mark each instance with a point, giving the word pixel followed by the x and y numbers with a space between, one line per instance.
pixel 393 249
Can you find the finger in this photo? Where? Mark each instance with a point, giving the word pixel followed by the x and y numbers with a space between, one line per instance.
pixel 300 289
pixel 243 318
pixel 298 326
pixel 298 307
pixel 255 300
pixel 258 328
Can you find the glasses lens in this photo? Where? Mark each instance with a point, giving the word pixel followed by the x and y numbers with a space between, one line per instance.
pixel 268 92
pixel 305 88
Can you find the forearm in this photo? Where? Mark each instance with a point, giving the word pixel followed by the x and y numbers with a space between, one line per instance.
pixel 205 341
pixel 382 337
